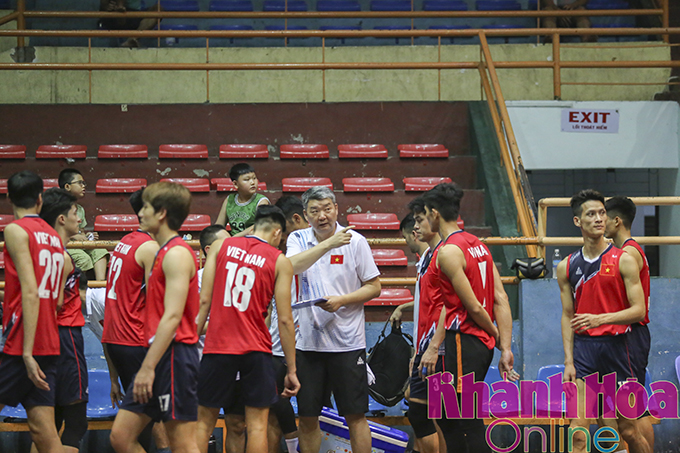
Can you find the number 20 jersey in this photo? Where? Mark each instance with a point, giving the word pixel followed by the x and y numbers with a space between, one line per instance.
pixel 245 276
pixel 47 254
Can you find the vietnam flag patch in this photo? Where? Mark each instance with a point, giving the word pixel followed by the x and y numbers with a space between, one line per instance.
pixel 607 270
pixel 337 259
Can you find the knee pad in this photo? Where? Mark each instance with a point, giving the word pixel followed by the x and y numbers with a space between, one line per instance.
pixel 75 420
pixel 285 415
pixel 417 416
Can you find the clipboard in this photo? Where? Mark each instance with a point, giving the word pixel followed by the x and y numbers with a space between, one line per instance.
pixel 308 303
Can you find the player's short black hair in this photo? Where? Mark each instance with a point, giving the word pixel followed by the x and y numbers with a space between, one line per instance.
pixel 67 175
pixel 407 223
pixel 24 189
pixel 209 235
pixel 136 200
pixel 83 282
pixel 622 207
pixel 56 202
pixel 272 215
pixel 445 198
pixel 417 206
pixel 239 170
pixel 173 197
pixel 290 205
pixel 582 197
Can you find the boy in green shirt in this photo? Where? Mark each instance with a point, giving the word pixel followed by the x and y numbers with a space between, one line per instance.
pixel 239 208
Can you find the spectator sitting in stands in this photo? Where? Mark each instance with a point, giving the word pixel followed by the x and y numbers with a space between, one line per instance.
pixel 132 23
pixel 239 208
pixel 566 21
pixel 72 181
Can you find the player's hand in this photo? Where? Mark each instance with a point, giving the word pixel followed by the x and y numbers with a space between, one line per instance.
pixel 505 366
pixel 291 384
pixel 569 373
pixel 342 237
pixel 396 315
pixel 428 362
pixel 332 304
pixel 410 365
pixel 584 321
pixel 116 394
pixel 35 374
pixel 143 386
pixel 95 236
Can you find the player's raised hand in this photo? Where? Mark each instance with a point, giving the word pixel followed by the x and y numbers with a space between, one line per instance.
pixel 35 374
pixel 342 237
pixel 291 384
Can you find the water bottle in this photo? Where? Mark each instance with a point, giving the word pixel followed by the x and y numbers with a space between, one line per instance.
pixel 212 444
pixel 555 261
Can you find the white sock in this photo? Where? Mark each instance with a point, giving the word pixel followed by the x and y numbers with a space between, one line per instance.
pixel 292 444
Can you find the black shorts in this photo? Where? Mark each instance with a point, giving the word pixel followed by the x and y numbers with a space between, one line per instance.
pixel 219 387
pixel 343 373
pixel 72 383
pixel 466 354
pixel 16 387
pixel 127 360
pixel 174 387
pixel 417 383
pixel 603 355
pixel 639 343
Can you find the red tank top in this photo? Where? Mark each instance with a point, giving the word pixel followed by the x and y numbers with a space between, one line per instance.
pixel 155 298
pixel 125 294
pixel 244 286
pixel 479 271
pixel 598 287
pixel 430 303
pixel 71 313
pixel 644 276
pixel 47 253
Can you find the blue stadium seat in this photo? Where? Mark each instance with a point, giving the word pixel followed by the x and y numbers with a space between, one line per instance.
pixel 391 5
pixel 14 412
pixel 466 40
pixel 340 41
pixel 532 5
pixel 180 5
pixel 231 5
pixel 291 41
pixel 99 404
pixel 227 41
pixel 506 39
pixel 497 5
pixel 403 40
pixel 4 4
pixel 607 4
pixel 191 42
pixel 375 408
pixel 280 5
pixel 338 5
pixel 445 5
pixel 281 27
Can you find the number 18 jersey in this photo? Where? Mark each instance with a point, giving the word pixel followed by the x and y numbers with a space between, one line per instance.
pixel 245 277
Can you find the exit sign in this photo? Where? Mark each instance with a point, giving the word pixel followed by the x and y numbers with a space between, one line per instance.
pixel 586 120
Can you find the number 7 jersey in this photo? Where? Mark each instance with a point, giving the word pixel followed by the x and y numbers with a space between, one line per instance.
pixel 245 276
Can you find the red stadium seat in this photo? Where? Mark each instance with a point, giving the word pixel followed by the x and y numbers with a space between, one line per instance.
pixel 367 185
pixel 3 186
pixel 61 152
pixel 196 222
pixel 116 222
pixel 362 152
pixel 193 184
pixel 306 151
pixel 389 257
pixel 423 184
pixel 392 296
pixel 226 185
pixel 423 151
pixel 302 184
pixel 50 183
pixel 12 152
pixel 235 151
pixel 183 152
pixel 377 221
pixel 5 219
pixel 120 185
pixel 123 152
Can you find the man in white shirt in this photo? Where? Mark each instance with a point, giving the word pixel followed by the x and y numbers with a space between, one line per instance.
pixel 331 347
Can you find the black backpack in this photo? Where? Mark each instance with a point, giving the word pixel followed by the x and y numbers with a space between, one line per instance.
pixel 389 360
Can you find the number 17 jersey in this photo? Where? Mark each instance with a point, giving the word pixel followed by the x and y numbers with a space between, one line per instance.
pixel 245 276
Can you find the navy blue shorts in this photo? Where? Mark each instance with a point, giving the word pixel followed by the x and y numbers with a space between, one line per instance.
pixel 72 380
pixel 16 387
pixel 465 354
pixel 127 360
pixel 418 385
pixel 603 355
pixel 639 342
pixel 219 387
pixel 175 394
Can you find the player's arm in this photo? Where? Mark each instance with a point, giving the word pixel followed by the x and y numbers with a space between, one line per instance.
pixel 116 393
pixel 222 215
pixel 144 255
pixel 370 289
pixel 399 311
pixel 284 279
pixel 16 244
pixel 303 260
pixel 452 263
pixel 207 283
pixel 68 268
pixel 431 354
pixel 567 315
pixel 503 315
pixel 179 268
pixel 636 299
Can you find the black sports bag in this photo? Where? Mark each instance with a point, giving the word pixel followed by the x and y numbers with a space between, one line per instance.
pixel 389 360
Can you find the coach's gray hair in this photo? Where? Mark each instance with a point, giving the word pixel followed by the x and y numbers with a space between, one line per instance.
pixel 317 193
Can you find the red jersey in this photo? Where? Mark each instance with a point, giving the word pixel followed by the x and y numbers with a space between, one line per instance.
pixel 125 294
pixel 71 313
pixel 155 298
pixel 430 302
pixel 245 276
pixel 47 253
pixel 479 271
pixel 644 276
pixel 598 287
